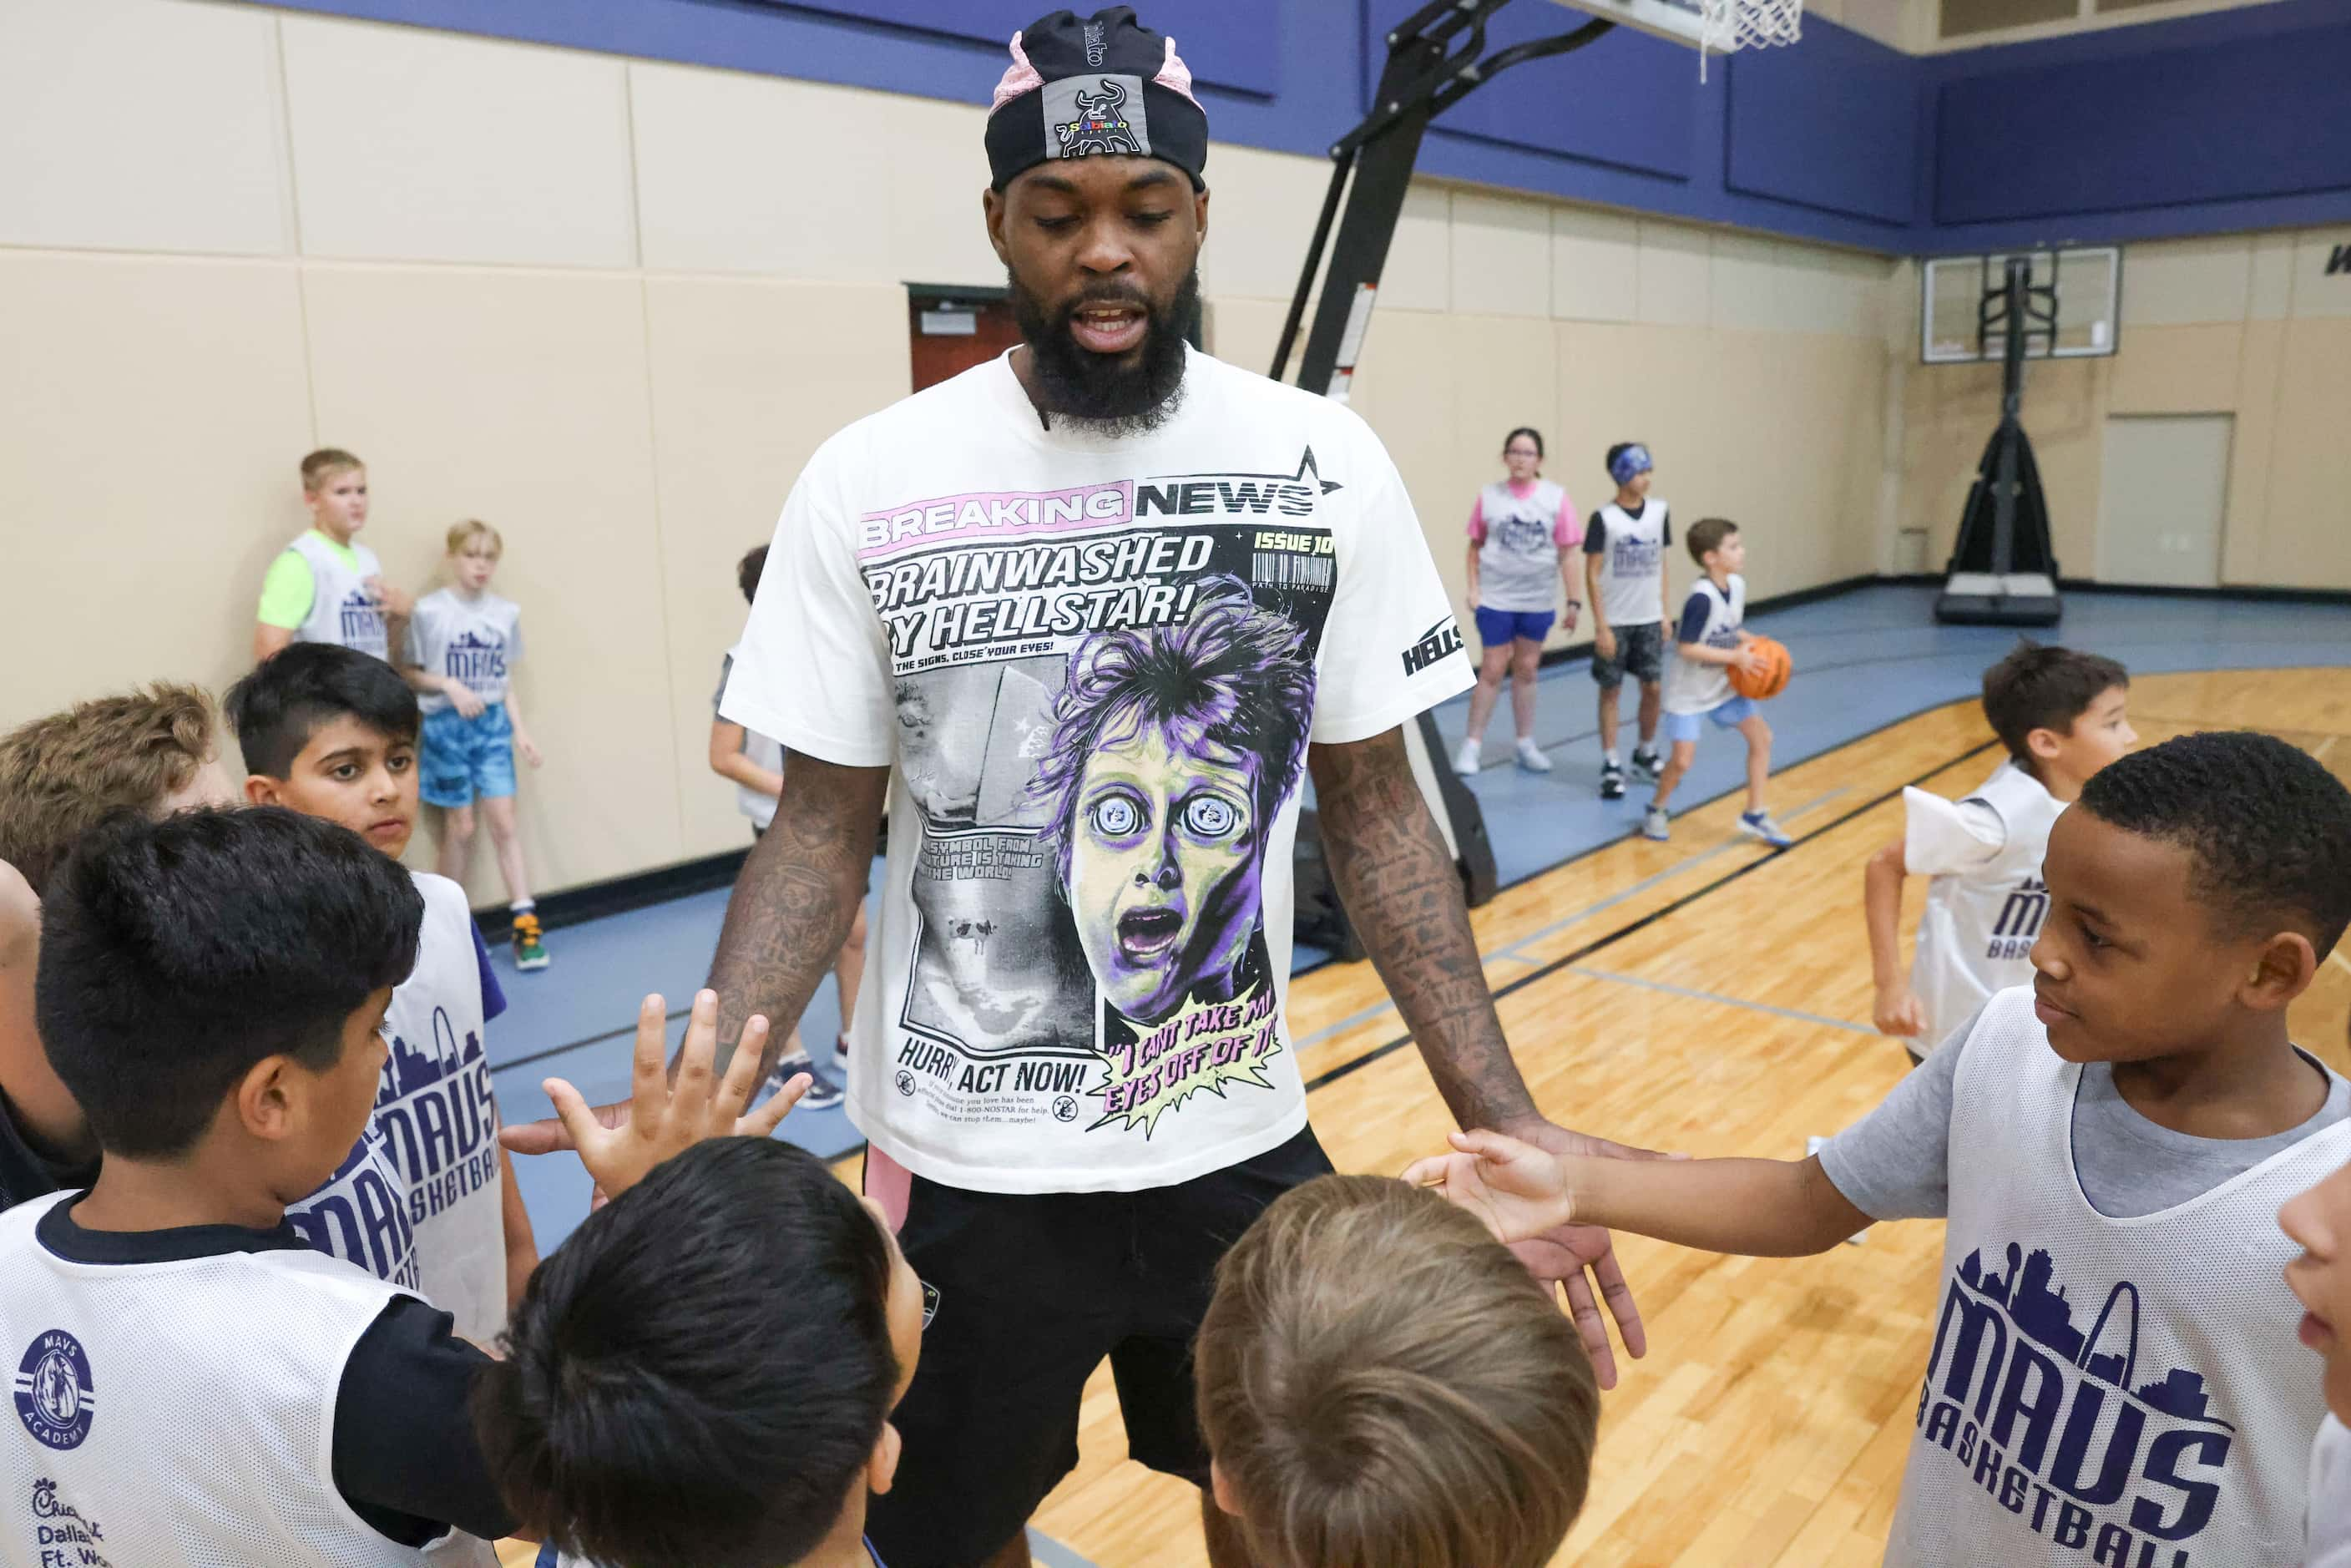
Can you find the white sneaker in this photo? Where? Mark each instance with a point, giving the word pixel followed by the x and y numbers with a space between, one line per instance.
pixel 1465 761
pixel 1656 825
pixel 1531 758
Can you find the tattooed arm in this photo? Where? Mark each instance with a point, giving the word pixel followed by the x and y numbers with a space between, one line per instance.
pixel 796 898
pixel 1398 886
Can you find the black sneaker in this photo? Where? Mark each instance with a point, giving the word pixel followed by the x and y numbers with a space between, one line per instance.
pixel 1612 781
pixel 1648 765
pixel 823 1095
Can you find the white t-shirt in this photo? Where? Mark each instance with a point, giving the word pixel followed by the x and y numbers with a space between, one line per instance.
pixel 1711 616
pixel 1095 665
pixel 756 804
pixel 1986 901
pixel 2326 1536
pixel 473 639
pixel 1632 552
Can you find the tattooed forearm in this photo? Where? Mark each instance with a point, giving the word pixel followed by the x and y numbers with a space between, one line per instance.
pixel 796 899
pixel 1400 888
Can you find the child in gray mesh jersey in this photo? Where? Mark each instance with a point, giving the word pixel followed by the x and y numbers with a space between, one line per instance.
pixel 2108 1146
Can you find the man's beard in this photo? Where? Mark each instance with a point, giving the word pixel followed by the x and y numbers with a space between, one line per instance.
pixel 1108 394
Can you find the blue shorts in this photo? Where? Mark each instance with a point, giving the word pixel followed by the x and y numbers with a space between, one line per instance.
pixel 462 758
pixel 1727 714
pixel 1496 628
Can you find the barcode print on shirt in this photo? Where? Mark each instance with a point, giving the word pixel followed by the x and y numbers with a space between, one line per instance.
pixel 1273 570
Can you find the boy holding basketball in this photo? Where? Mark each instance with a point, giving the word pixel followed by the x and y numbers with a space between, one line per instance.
pixel 2109 1379
pixel 1709 642
pixel 2059 713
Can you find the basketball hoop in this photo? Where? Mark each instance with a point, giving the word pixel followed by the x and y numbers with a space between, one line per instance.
pixel 1729 26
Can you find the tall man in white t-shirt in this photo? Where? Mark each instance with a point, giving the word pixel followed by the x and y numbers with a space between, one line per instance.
pixel 1089 614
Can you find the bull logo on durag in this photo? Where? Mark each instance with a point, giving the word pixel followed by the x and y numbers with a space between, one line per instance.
pixel 1101 126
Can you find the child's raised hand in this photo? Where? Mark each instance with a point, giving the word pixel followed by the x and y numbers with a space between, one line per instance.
pixel 1519 1190
pixel 1899 1012
pixel 664 1118
pixel 396 602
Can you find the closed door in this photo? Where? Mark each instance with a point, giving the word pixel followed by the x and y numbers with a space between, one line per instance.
pixel 2160 505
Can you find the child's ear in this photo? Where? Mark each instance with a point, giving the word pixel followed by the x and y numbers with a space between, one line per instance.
pixel 2282 970
pixel 882 1468
pixel 264 1098
pixel 1220 1487
pixel 2043 744
pixel 261 789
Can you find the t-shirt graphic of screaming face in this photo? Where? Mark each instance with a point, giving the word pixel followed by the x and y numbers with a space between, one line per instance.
pixel 1095 666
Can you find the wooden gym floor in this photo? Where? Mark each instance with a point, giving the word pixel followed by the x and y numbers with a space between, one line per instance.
pixel 1708 996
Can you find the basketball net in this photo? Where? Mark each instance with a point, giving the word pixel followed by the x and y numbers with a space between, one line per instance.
pixel 1729 26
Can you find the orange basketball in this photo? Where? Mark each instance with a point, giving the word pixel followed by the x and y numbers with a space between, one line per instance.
pixel 1768 682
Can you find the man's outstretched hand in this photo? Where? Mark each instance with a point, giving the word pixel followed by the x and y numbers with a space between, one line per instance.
pixel 619 1142
pixel 1581 1258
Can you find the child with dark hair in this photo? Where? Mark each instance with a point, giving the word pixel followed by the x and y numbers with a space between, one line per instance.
pixel 1625 548
pixel 1522 528
pixel 2109 1148
pixel 1382 1386
pixel 754 763
pixel 653 1360
pixel 214 989
pixel 1709 642
pixel 332 733
pixel 2059 715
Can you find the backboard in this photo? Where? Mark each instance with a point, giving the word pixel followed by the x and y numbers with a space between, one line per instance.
pixel 1678 20
pixel 1717 27
pixel 2088 281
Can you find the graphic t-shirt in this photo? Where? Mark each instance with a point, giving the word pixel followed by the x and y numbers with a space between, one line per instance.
pixel 1095 665
pixel 475 640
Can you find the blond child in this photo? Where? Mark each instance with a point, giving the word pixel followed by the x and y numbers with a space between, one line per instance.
pixel 463 644
pixel 150 752
pixel 1382 1386
pixel 326 587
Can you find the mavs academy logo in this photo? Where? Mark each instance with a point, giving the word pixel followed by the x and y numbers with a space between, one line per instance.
pixel 2058 1427
pixel 55 1396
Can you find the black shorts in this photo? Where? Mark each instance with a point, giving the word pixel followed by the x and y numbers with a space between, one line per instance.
pixel 1640 653
pixel 1033 1291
